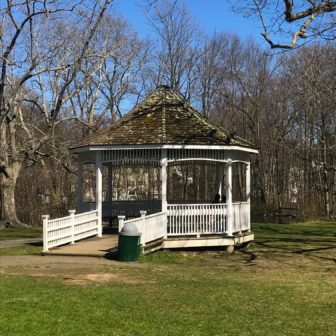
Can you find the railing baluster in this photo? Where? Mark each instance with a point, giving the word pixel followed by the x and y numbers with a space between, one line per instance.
pixel 188 220
pixel 174 214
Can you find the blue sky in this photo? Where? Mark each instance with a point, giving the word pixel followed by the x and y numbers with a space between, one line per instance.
pixel 212 15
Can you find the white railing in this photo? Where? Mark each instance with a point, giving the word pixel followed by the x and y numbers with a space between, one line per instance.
pixel 69 229
pixel 241 217
pixel 151 227
pixel 196 219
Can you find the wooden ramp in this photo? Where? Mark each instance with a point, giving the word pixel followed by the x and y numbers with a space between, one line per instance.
pixel 91 247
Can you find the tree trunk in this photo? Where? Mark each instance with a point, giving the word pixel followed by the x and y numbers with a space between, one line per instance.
pixel 7 196
pixel 325 178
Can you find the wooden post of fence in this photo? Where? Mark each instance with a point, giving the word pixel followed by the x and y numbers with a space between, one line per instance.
pixel 241 217
pixel 164 167
pixel 164 218
pixel 248 195
pixel 229 210
pixel 72 215
pixel 143 228
pixel 120 222
pixel 99 191
pixel 45 219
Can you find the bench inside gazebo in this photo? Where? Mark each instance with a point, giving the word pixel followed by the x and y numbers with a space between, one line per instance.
pixel 181 179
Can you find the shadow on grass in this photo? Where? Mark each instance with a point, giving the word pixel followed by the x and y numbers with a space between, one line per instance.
pixel 285 248
pixel 294 229
pixel 37 244
pixel 250 257
pixel 307 239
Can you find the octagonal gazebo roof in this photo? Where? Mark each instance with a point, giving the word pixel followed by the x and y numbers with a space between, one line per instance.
pixel 163 118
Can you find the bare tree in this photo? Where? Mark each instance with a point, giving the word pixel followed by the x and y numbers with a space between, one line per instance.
pixel 295 20
pixel 29 59
pixel 210 70
pixel 177 48
pixel 120 76
pixel 312 88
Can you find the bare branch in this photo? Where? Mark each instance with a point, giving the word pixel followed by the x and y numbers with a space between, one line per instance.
pixel 301 17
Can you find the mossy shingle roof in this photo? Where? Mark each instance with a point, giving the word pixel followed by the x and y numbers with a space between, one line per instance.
pixel 163 117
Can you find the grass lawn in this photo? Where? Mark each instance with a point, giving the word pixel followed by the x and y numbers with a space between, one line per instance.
pixel 20 234
pixel 10 234
pixel 284 284
pixel 25 249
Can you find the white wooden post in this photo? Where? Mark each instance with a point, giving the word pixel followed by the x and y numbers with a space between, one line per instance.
pixel 248 194
pixel 45 219
pixel 120 222
pixel 143 227
pixel 99 192
pixel 229 212
pixel 164 164
pixel 72 215
pixel 79 184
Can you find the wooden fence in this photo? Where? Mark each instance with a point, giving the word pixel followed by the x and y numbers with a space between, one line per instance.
pixel 69 229
pixel 151 227
pixel 201 219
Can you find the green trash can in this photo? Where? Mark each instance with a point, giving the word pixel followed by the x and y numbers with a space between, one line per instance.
pixel 129 243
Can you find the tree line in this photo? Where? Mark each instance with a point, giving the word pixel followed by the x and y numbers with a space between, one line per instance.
pixel 69 68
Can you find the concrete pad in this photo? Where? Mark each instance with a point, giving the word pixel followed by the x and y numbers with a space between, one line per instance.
pixel 92 247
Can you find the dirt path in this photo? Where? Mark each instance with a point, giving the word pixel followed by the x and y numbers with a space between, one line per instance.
pixel 74 270
pixel 57 265
pixel 82 270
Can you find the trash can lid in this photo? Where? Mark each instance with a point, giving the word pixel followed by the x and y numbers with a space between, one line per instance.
pixel 129 229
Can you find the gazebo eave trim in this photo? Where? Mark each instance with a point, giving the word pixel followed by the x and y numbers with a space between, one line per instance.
pixel 165 146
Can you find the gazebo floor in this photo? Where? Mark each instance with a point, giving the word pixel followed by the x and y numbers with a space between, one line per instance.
pixel 207 241
pixel 107 246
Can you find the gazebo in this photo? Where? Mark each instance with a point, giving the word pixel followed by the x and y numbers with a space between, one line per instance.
pixel 168 169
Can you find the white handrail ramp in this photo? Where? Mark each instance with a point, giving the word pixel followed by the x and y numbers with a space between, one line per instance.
pixel 69 229
pixel 151 227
